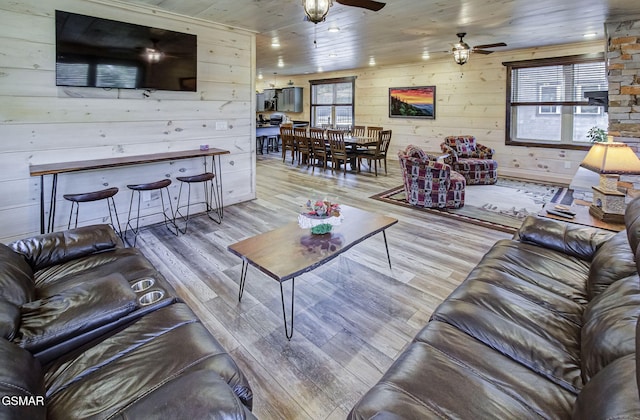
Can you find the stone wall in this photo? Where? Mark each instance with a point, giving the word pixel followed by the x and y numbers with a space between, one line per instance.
pixel 623 55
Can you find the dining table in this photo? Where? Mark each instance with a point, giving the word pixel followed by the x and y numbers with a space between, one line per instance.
pixel 351 142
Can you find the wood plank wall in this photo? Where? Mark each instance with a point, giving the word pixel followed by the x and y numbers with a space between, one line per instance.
pixel 42 123
pixel 470 99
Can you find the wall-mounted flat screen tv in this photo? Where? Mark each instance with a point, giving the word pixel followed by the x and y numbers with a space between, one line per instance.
pixel 96 52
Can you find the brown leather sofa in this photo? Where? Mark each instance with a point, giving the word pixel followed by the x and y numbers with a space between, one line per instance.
pixel 543 327
pixel 91 329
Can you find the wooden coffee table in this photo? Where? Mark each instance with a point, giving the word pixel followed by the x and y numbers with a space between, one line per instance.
pixel 289 251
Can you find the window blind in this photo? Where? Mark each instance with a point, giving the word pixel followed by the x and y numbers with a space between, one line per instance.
pixel 557 84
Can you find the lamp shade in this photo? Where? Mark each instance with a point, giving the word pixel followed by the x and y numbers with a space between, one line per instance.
pixel 612 158
pixel 316 10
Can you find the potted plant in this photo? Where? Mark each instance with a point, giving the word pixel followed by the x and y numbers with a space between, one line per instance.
pixel 596 135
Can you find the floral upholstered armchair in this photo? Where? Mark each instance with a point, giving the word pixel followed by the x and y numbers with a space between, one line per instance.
pixel 429 183
pixel 473 160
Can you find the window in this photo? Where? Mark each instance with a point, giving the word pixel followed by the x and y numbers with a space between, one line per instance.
pixel 332 102
pixel 546 104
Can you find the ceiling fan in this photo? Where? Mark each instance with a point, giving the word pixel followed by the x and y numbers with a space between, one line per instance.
pixel 461 50
pixel 316 10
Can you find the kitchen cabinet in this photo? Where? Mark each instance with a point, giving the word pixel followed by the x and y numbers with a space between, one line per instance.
pixel 290 100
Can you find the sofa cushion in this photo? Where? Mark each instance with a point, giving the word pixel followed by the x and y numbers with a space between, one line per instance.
pixel 21 382
pixel 57 247
pixel 16 277
pixel 526 302
pixel 129 262
pixel 138 362
pixel 609 325
pixel 49 321
pixel 198 392
pixel 464 145
pixel 574 240
pixel 611 394
pixel 443 364
pixel 9 319
pixel 611 262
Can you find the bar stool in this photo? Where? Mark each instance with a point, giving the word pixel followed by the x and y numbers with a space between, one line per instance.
pixel 209 195
pixel 273 143
pixel 107 194
pixel 169 219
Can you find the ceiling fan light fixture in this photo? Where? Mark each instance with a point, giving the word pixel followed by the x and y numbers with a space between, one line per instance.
pixel 461 50
pixel 153 55
pixel 316 10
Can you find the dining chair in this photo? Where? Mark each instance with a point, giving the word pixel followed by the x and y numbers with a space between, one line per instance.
pixel 288 141
pixel 304 146
pixel 358 131
pixel 339 152
pixel 319 146
pixel 379 153
pixel 373 131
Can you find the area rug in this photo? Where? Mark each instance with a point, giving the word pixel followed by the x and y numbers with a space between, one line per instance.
pixel 502 206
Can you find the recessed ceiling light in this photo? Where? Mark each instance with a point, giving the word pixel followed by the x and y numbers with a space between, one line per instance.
pixel 280 63
pixel 275 43
pixel 372 61
pixel 260 77
pixel 333 55
pixel 425 55
pixel 590 35
pixel 334 29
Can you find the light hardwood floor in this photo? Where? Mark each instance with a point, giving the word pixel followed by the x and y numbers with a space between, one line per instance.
pixel 353 316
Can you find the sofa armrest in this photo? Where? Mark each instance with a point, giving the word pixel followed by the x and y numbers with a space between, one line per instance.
pixel 49 249
pixel 483 152
pixel 21 379
pixel 575 240
pixel 85 307
pixel 452 153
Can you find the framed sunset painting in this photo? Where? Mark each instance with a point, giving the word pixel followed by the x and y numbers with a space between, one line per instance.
pixel 412 102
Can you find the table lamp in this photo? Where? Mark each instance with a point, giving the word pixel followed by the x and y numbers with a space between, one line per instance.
pixel 610 159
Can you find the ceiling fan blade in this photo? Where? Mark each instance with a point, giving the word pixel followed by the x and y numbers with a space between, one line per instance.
pixel 499 44
pixel 365 4
pixel 481 51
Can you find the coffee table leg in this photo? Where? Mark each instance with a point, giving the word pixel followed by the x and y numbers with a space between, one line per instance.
pixel 288 333
pixel 384 235
pixel 243 277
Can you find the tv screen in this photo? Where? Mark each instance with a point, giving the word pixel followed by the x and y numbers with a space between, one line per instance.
pixel 95 52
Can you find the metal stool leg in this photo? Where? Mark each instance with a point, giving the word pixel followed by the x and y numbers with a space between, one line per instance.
pixel 168 219
pixel 77 206
pixel 178 213
pixel 117 228
pixel 211 197
pixel 129 225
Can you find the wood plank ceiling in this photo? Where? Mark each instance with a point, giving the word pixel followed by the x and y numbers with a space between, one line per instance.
pixel 403 31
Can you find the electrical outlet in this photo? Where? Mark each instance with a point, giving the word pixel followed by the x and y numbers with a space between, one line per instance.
pixel 146 196
pixel 221 125
pixel 567 165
